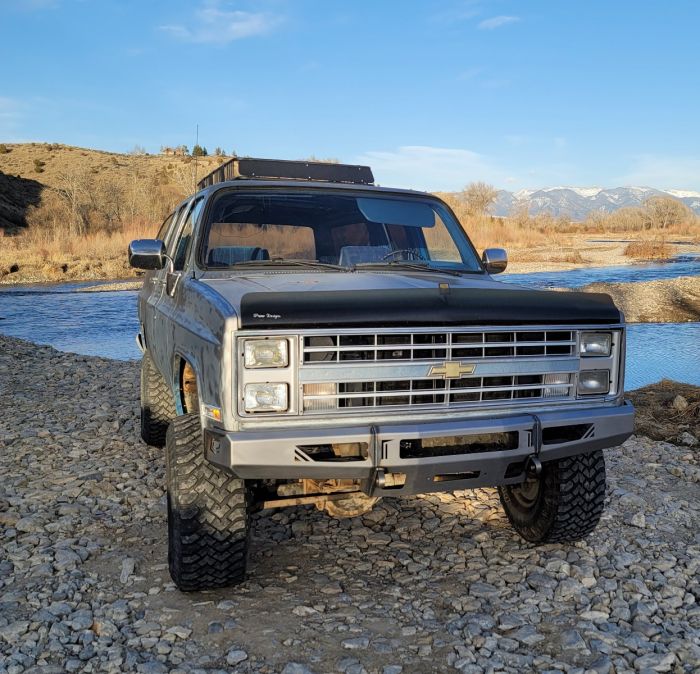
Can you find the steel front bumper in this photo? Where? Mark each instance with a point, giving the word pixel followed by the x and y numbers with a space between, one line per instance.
pixel 546 436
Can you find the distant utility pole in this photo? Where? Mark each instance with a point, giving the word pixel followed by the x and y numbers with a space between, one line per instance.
pixel 196 159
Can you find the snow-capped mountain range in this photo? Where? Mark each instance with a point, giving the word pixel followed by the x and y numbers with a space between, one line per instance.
pixel 577 202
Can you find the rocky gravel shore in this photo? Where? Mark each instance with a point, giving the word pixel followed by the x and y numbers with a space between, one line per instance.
pixel 432 583
pixel 665 301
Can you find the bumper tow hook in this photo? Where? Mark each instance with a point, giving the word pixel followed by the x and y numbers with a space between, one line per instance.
pixel 533 466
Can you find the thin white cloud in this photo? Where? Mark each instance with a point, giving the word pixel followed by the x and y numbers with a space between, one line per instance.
pixel 517 139
pixel 9 108
pixel 461 12
pixel 469 74
pixel 663 172
pixel 430 168
pixel 216 22
pixel 497 22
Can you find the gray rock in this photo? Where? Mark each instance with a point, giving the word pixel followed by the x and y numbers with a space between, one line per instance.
pixel 572 640
pixel 638 520
pixel 236 656
pixel 527 634
pixel 128 566
pixel 296 668
pixel 179 631
pixel 356 643
pixel 657 662
pixel 12 632
pixel 65 559
pixel 686 438
pixel 483 590
pixel 680 403
pixel 151 667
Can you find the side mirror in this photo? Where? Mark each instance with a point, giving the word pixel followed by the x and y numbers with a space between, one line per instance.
pixel 495 260
pixel 147 254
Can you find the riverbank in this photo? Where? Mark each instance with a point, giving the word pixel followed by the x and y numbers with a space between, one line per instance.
pixel 112 286
pixel 580 252
pixel 668 301
pixel 431 583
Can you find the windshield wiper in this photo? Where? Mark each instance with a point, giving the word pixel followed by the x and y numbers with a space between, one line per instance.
pixel 290 263
pixel 410 266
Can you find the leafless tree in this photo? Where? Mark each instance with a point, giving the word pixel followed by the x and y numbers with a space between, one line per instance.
pixel 184 178
pixel 73 186
pixel 478 197
pixel 664 212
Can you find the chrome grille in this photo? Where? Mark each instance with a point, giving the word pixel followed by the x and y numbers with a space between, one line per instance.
pixel 443 345
pixel 407 368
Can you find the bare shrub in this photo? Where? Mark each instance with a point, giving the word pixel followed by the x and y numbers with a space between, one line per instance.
pixel 648 250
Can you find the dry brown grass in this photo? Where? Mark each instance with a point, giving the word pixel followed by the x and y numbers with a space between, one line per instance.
pixel 657 417
pixel 649 250
pixel 51 256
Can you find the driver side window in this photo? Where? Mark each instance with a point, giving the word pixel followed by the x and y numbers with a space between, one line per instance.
pixel 184 241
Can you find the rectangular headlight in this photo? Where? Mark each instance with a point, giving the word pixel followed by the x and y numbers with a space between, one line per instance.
pixel 266 353
pixel 593 382
pixel 266 398
pixel 596 343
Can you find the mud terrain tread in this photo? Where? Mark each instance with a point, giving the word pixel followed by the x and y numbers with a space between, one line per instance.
pixel 571 503
pixel 207 514
pixel 157 404
pixel 582 490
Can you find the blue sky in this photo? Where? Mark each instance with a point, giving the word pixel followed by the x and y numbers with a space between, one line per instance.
pixel 432 94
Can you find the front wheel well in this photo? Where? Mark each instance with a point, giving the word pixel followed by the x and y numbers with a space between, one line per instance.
pixel 188 390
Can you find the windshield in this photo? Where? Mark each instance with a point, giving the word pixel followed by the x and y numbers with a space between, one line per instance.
pixel 272 227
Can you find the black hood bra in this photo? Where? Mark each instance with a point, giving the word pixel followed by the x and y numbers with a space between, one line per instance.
pixel 425 306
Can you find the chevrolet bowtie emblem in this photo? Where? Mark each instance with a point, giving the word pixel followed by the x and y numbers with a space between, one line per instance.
pixel 451 370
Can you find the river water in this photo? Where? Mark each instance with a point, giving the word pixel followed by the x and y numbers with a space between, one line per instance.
pixel 682 265
pixel 104 323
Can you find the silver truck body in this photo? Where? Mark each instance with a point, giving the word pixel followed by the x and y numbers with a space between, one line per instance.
pixel 193 317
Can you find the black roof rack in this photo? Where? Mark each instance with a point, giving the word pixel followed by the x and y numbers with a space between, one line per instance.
pixel 282 169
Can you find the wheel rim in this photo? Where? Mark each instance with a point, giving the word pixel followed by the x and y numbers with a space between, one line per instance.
pixel 526 494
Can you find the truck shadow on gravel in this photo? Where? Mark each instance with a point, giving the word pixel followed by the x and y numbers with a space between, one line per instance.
pixel 316 582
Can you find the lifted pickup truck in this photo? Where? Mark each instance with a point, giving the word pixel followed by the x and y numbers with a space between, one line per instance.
pixel 309 337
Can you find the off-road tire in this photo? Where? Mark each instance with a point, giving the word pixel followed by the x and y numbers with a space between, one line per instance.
pixel 157 404
pixel 566 503
pixel 208 513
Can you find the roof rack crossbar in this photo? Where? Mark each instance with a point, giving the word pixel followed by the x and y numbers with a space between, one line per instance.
pixel 282 169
